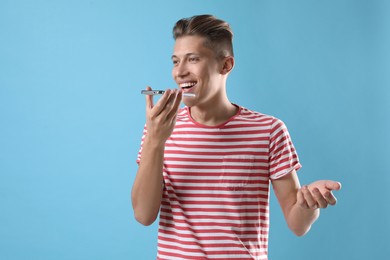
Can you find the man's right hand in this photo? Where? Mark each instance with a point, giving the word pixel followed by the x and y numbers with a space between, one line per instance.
pixel 161 117
pixel 148 184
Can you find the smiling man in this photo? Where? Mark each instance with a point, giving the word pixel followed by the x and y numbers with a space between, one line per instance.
pixel 206 168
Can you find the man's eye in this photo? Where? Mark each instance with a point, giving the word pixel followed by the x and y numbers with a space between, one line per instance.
pixel 175 62
pixel 193 59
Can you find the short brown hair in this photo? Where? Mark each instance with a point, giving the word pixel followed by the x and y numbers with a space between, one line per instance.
pixel 218 33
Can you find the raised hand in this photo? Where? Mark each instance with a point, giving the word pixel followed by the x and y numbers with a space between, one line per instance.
pixel 161 117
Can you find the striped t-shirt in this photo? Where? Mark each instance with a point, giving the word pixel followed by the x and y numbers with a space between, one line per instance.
pixel 216 186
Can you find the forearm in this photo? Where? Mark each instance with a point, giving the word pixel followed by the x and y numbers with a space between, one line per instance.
pixel 298 214
pixel 148 185
pixel 301 205
pixel 300 219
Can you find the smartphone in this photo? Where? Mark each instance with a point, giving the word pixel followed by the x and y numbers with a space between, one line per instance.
pixel 160 92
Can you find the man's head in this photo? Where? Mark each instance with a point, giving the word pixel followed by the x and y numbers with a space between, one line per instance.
pixel 202 59
pixel 217 33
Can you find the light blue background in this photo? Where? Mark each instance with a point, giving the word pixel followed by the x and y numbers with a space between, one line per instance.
pixel 71 117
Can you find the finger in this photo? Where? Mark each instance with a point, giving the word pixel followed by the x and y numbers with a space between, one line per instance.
pixel 330 198
pixel 169 104
pixel 175 105
pixel 311 202
pixel 333 185
pixel 149 99
pixel 321 201
pixel 162 102
pixel 178 98
pixel 301 200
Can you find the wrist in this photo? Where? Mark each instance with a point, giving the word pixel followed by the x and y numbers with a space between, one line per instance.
pixel 154 143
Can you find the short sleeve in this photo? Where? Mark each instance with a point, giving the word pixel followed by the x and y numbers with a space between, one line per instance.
pixel 142 142
pixel 283 157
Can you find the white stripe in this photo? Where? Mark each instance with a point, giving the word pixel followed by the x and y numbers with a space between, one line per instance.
pixel 175 251
pixel 220 199
pixel 215 213
pixel 211 156
pixel 219 150
pixel 204 131
pixel 224 206
pixel 226 170
pixel 221 178
pixel 206 242
pixel 220 164
pixel 225 143
pixel 209 249
pixel 220 192
pixel 207 235
pixel 221 228
pixel 221 184
pixel 219 137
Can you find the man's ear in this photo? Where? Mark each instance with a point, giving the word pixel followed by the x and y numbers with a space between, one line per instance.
pixel 228 64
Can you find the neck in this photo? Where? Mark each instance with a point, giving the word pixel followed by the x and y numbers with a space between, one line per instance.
pixel 218 112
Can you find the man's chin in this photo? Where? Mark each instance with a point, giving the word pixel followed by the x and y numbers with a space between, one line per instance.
pixel 189 104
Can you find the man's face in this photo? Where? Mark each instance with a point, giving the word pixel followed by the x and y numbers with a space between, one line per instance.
pixel 196 70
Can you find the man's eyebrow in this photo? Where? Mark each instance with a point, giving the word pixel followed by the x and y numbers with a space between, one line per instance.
pixel 185 55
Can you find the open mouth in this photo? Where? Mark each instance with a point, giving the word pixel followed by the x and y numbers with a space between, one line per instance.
pixel 187 85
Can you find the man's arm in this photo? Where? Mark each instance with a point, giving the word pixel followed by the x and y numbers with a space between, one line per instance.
pixel 300 205
pixel 147 189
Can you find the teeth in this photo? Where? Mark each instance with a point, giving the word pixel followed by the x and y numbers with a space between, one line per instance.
pixel 187 84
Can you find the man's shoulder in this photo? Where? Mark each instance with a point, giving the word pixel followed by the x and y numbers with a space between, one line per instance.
pixel 250 114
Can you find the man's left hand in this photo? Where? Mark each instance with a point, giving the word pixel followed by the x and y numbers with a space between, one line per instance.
pixel 318 194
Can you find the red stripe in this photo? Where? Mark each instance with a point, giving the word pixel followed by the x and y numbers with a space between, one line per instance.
pixel 222 196
pixel 225 203
pixel 208 238
pixel 239 167
pixel 225 217
pixel 202 146
pixel 216 210
pixel 217 224
pixel 251 180
pixel 219 160
pixel 228 251
pixel 211 245
pixel 215 188
pixel 209 231
pixel 213 153
pixel 219 140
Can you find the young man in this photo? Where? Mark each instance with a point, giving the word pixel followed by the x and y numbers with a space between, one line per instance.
pixel 206 168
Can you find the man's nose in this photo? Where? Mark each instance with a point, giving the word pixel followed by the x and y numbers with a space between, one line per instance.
pixel 181 70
